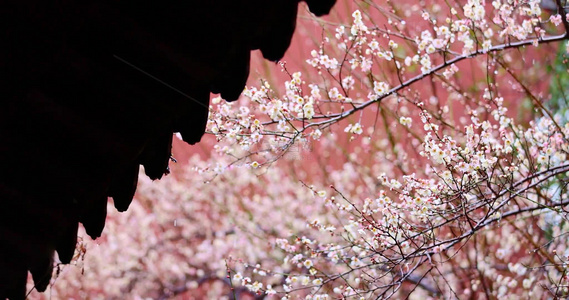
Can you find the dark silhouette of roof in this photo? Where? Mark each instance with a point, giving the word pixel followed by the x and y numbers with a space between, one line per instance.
pixel 90 90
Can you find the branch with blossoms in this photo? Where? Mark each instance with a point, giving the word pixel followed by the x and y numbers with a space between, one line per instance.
pixel 411 237
pixel 391 242
pixel 410 240
pixel 276 123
